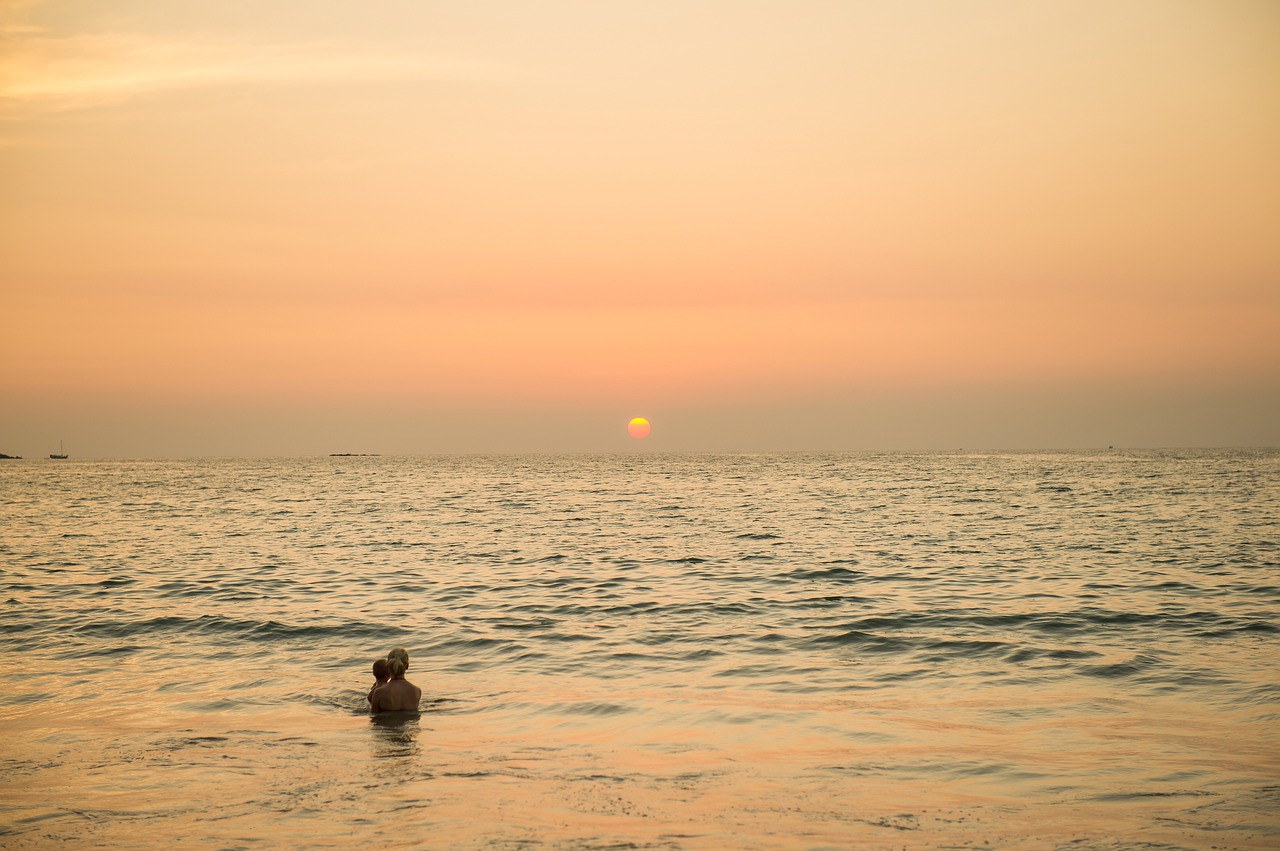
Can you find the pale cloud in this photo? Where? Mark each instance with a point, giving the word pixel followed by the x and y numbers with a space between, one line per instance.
pixel 39 72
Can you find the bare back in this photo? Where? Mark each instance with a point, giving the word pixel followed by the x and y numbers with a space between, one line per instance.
pixel 399 695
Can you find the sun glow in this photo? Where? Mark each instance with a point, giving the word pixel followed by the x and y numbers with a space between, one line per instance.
pixel 638 428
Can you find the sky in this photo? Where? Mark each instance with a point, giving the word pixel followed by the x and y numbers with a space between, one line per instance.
pixel 293 227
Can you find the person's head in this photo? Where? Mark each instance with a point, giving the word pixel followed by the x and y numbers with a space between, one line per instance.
pixel 397 666
pixel 382 669
pixel 401 654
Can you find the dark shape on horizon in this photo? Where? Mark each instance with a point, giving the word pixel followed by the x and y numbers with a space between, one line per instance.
pixel 10 457
pixel 62 453
pixel 354 455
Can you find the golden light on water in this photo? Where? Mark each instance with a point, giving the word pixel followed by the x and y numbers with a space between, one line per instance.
pixel 638 428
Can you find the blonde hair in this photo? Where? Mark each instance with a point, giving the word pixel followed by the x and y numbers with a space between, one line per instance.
pixel 399 654
pixel 398 666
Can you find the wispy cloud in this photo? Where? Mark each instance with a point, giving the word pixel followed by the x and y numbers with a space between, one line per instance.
pixel 40 72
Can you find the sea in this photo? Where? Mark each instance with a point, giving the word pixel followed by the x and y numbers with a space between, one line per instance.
pixel 1076 650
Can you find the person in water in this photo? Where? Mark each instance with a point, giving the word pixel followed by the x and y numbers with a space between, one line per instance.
pixel 381 676
pixel 398 694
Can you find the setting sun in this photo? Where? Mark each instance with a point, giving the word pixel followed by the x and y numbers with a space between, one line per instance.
pixel 638 428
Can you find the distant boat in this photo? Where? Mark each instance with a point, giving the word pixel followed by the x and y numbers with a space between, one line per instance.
pixel 61 452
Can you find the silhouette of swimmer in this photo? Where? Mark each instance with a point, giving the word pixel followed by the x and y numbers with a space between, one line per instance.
pixel 381 676
pixel 397 694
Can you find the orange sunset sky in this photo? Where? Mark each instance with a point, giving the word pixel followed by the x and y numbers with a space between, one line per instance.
pixel 269 227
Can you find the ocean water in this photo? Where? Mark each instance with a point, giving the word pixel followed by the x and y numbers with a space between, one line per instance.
pixel 933 650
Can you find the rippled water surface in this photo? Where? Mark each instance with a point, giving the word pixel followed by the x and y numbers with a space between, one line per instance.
pixel 689 651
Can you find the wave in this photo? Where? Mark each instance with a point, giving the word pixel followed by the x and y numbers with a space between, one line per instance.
pixel 210 625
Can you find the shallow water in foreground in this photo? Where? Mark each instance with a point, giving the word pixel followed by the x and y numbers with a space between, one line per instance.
pixel 1034 650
